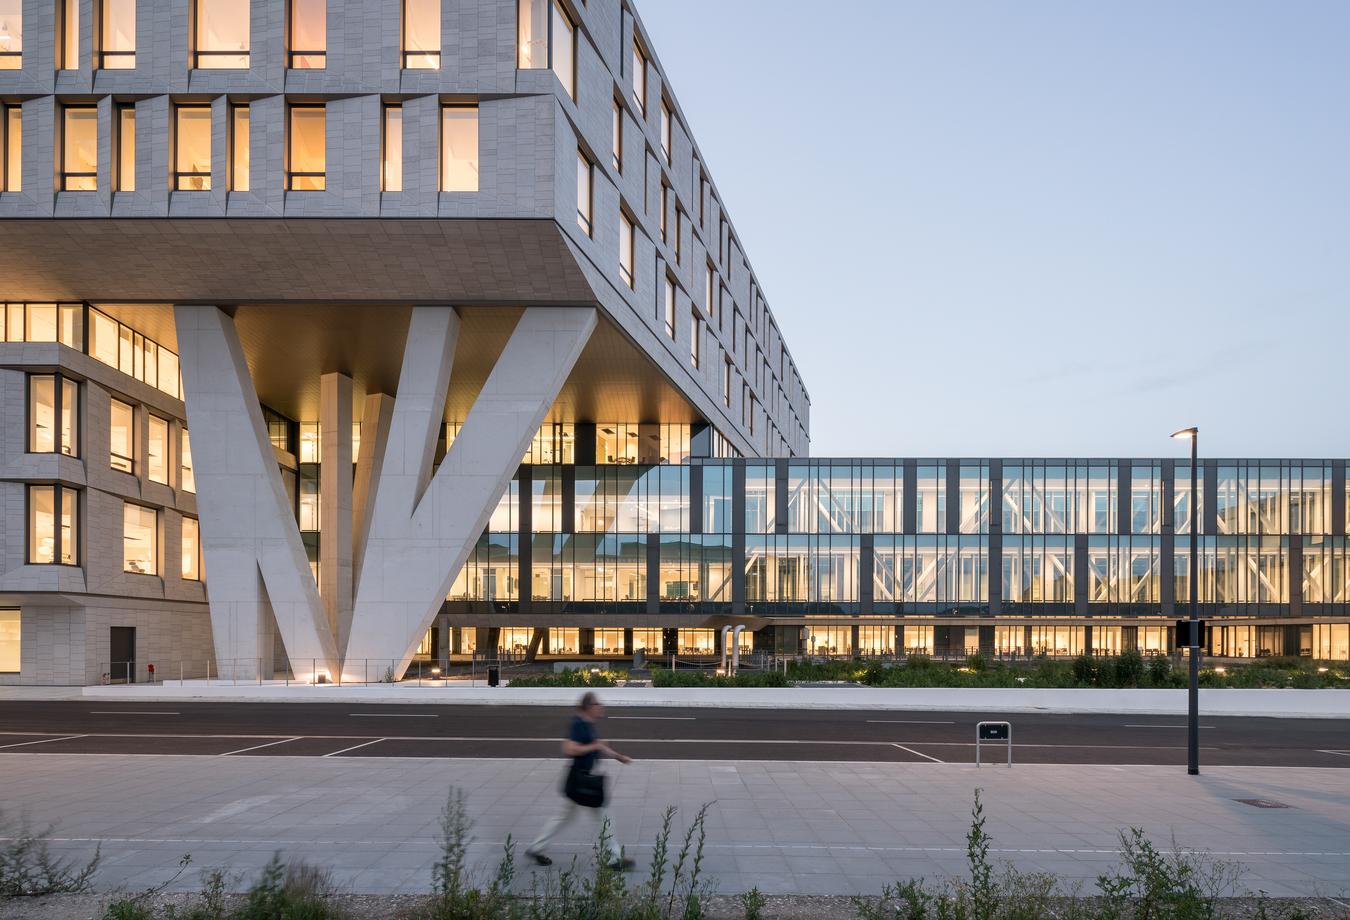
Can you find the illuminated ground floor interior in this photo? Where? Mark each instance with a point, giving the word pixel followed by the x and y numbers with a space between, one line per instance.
pixel 845 638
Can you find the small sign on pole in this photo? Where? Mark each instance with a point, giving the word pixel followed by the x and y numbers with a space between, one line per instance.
pixel 993 731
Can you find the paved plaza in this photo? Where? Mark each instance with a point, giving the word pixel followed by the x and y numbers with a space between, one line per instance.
pixel 788 827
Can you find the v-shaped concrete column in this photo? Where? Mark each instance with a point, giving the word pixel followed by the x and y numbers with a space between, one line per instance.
pixel 418 533
pixel 251 544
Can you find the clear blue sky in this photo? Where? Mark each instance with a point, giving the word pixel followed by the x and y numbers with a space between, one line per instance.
pixel 1039 228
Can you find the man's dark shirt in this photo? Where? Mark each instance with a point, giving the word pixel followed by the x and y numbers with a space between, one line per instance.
pixel 583 732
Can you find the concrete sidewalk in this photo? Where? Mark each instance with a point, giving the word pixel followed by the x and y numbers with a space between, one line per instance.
pixel 1318 704
pixel 819 828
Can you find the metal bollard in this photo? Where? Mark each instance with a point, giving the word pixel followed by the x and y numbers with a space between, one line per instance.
pixel 993 731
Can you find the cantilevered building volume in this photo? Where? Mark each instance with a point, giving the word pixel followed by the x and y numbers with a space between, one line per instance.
pixel 341 335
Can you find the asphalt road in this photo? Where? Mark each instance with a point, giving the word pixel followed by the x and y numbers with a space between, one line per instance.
pixel 348 730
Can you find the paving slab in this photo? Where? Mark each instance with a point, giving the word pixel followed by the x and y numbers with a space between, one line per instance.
pixel 790 827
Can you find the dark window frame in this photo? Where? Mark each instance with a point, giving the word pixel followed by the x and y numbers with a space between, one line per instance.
pixel 291 52
pixel 67 176
pixel 405 54
pixel 292 175
pixel 113 455
pixel 159 539
pixel 58 501
pixel 196 52
pixel 58 406
pixel 104 55
pixel 178 176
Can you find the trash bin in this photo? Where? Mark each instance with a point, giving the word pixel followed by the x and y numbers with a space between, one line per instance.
pixel 494 676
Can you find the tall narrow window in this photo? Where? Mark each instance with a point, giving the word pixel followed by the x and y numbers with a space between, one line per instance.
pixel 564 49
pixel 188 478
pixel 239 149
pixel 679 237
pixel 11 641
pixel 670 307
pixel 532 34
pixel 726 381
pixel 665 131
pixel 616 150
pixel 459 149
pixel 121 440
pixel 626 249
pixel 191 550
pixel 117 37
pixel 70 35
pixel 391 171
pixel 709 290
pixel 695 339
pixel 192 156
pixel 79 149
pixel 665 206
pixel 221 36
pixel 157 450
pixel 11 132
pixel 421 34
pixel 11 34
pixel 307 149
pixel 639 78
pixel 584 192
pixel 53 522
pixel 140 539
pixel 126 147
pixel 53 411
pixel 307 34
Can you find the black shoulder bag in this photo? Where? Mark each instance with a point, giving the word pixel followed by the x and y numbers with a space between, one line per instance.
pixel 583 787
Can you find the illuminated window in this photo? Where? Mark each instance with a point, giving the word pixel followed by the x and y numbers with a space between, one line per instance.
pixel 709 288
pixel 192 550
pixel 459 149
pixel 157 451
pixel 547 38
pixel 126 148
pixel 118 35
pixel 192 151
pixel 696 340
pixel 11 34
pixel 639 78
pixel 670 307
pixel 391 172
pixel 221 34
pixel 121 446
pixel 583 192
pixel 189 479
pixel 616 148
pixel 53 516
pixel 11 150
pixel 140 539
pixel 11 634
pixel 626 249
pixel 239 153
pixel 421 34
pixel 665 131
pixel 307 149
pixel 123 348
pixel 308 35
pixel 564 49
pixel 53 407
pixel 70 35
pixel 79 149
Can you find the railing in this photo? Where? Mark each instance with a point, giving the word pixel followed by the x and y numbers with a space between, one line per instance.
pixel 234 672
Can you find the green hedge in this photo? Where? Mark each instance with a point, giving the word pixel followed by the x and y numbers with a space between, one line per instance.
pixel 712 679
pixel 571 677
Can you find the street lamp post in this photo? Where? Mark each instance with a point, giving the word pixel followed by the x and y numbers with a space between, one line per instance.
pixel 1193 691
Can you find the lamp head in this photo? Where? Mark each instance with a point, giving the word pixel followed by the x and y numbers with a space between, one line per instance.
pixel 1186 434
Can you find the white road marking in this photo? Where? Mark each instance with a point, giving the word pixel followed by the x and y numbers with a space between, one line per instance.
pixel 1163 726
pixel 258 747
pixel 129 712
pixel 652 718
pixel 354 747
pixel 41 741
pixel 393 715
pixel 907 722
pixel 914 752
pixel 1341 753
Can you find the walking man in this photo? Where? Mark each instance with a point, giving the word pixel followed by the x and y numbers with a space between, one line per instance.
pixel 583 788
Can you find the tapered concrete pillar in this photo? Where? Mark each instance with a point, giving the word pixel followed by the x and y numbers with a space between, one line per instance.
pixel 254 557
pixel 419 528
pixel 377 414
pixel 335 501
